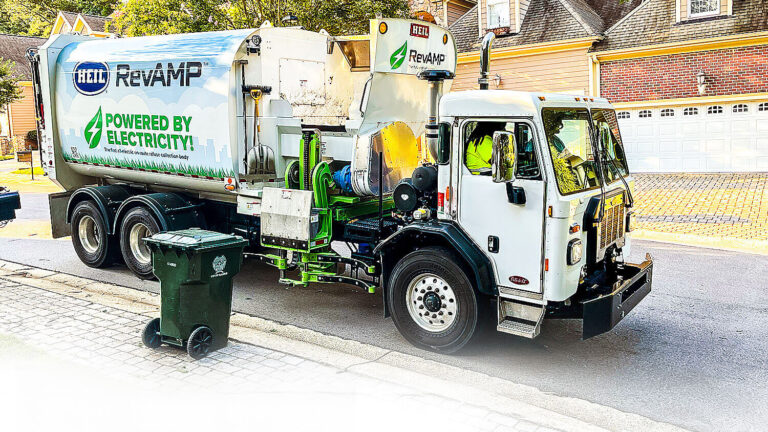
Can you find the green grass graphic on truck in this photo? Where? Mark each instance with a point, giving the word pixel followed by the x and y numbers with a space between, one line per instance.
pixel 189 170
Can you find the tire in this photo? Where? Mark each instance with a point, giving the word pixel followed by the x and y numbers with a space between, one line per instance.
pixel 136 225
pixel 90 238
pixel 430 280
pixel 150 336
pixel 200 342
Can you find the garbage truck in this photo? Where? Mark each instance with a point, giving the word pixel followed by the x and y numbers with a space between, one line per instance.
pixel 343 160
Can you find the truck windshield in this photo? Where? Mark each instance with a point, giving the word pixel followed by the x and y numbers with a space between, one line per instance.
pixel 610 140
pixel 570 144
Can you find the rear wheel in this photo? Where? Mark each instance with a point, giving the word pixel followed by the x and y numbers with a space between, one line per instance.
pixel 137 225
pixel 432 301
pixel 90 238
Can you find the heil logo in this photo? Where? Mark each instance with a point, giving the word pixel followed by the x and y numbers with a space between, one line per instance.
pixel 91 78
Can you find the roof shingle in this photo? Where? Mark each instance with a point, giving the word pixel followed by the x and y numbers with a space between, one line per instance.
pixel 654 23
pixel 545 21
pixel 15 48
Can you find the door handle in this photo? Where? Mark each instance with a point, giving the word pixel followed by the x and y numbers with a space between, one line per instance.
pixel 515 194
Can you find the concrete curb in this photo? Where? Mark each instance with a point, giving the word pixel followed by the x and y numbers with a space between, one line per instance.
pixel 505 397
pixel 758 247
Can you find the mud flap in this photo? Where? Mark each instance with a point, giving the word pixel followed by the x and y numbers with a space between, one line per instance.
pixel 58 203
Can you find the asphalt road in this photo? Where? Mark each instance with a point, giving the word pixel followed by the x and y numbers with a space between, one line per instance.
pixel 693 353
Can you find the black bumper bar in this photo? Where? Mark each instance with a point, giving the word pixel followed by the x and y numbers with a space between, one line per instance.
pixel 603 313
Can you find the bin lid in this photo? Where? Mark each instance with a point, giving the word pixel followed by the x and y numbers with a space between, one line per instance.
pixel 194 239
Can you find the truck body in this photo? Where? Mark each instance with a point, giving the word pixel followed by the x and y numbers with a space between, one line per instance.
pixel 301 142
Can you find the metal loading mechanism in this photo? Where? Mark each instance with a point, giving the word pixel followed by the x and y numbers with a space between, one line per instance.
pixel 303 220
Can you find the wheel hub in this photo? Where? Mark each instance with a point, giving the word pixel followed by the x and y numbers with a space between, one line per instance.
pixel 88 232
pixel 431 303
pixel 138 248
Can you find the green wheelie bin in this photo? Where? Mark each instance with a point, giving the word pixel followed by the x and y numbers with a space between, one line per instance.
pixel 195 269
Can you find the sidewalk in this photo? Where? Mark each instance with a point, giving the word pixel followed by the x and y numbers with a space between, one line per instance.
pixel 291 377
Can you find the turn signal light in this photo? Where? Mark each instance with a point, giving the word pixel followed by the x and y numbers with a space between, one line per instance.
pixel 574 228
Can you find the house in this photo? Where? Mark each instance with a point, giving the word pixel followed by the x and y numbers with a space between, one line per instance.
pixel 84 24
pixel 18 118
pixel 541 45
pixel 690 77
pixel 690 81
pixel 445 12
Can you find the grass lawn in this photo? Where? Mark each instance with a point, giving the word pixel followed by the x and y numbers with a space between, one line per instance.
pixel 38 171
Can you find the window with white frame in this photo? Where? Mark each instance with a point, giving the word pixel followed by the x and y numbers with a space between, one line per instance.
pixel 622 115
pixel 498 13
pixel 645 114
pixel 715 110
pixel 699 8
pixel 691 111
pixel 740 108
pixel 667 112
pixel 763 107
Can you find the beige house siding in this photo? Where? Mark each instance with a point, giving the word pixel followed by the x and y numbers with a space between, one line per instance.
pixel 22 113
pixel 455 11
pixel 555 72
pixel 725 8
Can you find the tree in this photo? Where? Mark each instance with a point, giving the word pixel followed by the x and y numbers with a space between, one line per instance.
pixel 9 83
pixel 141 17
pixel 35 17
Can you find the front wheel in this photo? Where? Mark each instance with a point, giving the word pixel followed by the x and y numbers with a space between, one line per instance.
pixel 432 301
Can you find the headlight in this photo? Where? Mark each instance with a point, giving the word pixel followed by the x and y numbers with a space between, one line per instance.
pixel 574 251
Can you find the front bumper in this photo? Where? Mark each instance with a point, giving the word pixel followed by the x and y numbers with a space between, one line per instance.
pixel 601 314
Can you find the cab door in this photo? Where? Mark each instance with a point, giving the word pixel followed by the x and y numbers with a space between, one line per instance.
pixel 510 234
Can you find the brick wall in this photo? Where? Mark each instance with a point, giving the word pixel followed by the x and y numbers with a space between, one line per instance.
pixel 729 71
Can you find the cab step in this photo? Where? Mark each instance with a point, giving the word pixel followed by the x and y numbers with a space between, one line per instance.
pixel 519 318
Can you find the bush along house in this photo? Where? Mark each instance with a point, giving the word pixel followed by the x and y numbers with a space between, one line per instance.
pixel 690 77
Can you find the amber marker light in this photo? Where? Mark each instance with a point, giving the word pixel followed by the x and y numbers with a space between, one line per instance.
pixel 383 27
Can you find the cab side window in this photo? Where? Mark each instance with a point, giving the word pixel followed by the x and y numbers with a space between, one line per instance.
pixel 478 136
pixel 527 163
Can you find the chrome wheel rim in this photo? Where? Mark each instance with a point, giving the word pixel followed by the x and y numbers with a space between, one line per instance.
pixel 138 248
pixel 88 232
pixel 431 303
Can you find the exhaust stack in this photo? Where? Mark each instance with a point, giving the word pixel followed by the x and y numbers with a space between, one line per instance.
pixel 435 79
pixel 485 60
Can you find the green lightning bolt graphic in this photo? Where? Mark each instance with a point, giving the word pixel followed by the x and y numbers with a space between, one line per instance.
pixel 93 130
pixel 398 56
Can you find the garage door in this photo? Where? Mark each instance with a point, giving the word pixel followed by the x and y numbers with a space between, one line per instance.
pixel 727 137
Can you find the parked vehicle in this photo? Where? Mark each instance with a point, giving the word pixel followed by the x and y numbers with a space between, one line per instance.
pixel 296 140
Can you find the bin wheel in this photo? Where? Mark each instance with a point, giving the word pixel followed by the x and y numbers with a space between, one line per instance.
pixel 200 342
pixel 151 334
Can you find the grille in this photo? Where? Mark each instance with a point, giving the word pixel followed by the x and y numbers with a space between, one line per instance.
pixel 612 227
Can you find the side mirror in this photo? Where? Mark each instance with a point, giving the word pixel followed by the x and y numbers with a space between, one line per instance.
pixel 504 157
pixel 442 154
